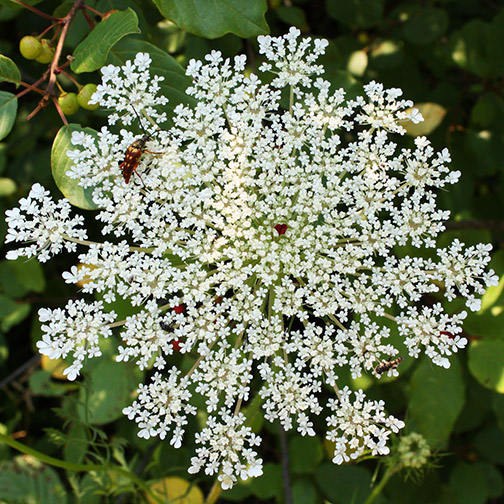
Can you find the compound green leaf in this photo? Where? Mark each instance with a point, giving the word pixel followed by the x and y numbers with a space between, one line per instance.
pixel 436 399
pixel 8 112
pixel 92 52
pixel 215 18
pixel 9 72
pixel 60 164
pixel 486 363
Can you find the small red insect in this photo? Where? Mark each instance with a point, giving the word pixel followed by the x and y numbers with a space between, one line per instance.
pixel 387 366
pixel 133 156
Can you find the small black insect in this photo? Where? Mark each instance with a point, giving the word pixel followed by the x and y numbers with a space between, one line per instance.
pixel 165 326
pixel 387 366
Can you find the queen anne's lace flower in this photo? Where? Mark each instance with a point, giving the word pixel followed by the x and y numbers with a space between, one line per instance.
pixel 39 219
pixel 261 247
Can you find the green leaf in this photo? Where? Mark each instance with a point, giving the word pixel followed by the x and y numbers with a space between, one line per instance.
pixel 468 48
pixel 9 72
pixel 92 52
pixel 292 16
pixel 21 276
pixel 215 18
pixel 175 81
pixel 12 312
pixel 357 63
pixel 436 399
pixel 305 454
pixel 361 13
pixel 494 479
pixel 7 187
pixel 10 3
pixel 486 363
pixel 476 408
pixel 304 492
pixel 8 112
pixel 433 115
pixel 29 273
pixel 27 480
pixel 493 299
pixel 489 444
pixel 75 447
pixel 425 25
pixel 387 54
pixel 60 164
pixel 494 43
pixel 269 484
pixel 4 349
pixel 112 385
pixel 42 384
pixel 486 110
pixel 238 493
pixel 498 408
pixel 344 484
pixel 469 484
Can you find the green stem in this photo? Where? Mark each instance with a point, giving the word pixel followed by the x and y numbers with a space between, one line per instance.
pixel 70 466
pixel 381 485
pixel 214 494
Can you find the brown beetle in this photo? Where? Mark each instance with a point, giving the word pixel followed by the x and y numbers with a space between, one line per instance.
pixel 387 366
pixel 133 156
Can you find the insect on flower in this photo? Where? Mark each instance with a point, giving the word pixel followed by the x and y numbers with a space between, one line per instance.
pixel 134 155
pixel 387 366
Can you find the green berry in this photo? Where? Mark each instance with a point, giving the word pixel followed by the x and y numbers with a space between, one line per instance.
pixel 29 47
pixel 84 96
pixel 68 103
pixel 47 53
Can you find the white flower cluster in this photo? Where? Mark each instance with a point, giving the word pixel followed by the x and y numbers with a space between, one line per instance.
pixel 359 426
pixel 260 245
pixel 39 219
pixel 76 330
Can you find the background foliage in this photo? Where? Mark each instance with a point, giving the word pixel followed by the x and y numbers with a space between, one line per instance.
pixel 446 55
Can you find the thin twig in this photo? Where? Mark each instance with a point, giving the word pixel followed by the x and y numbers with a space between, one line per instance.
pixel 65 22
pixel 40 13
pixel 19 371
